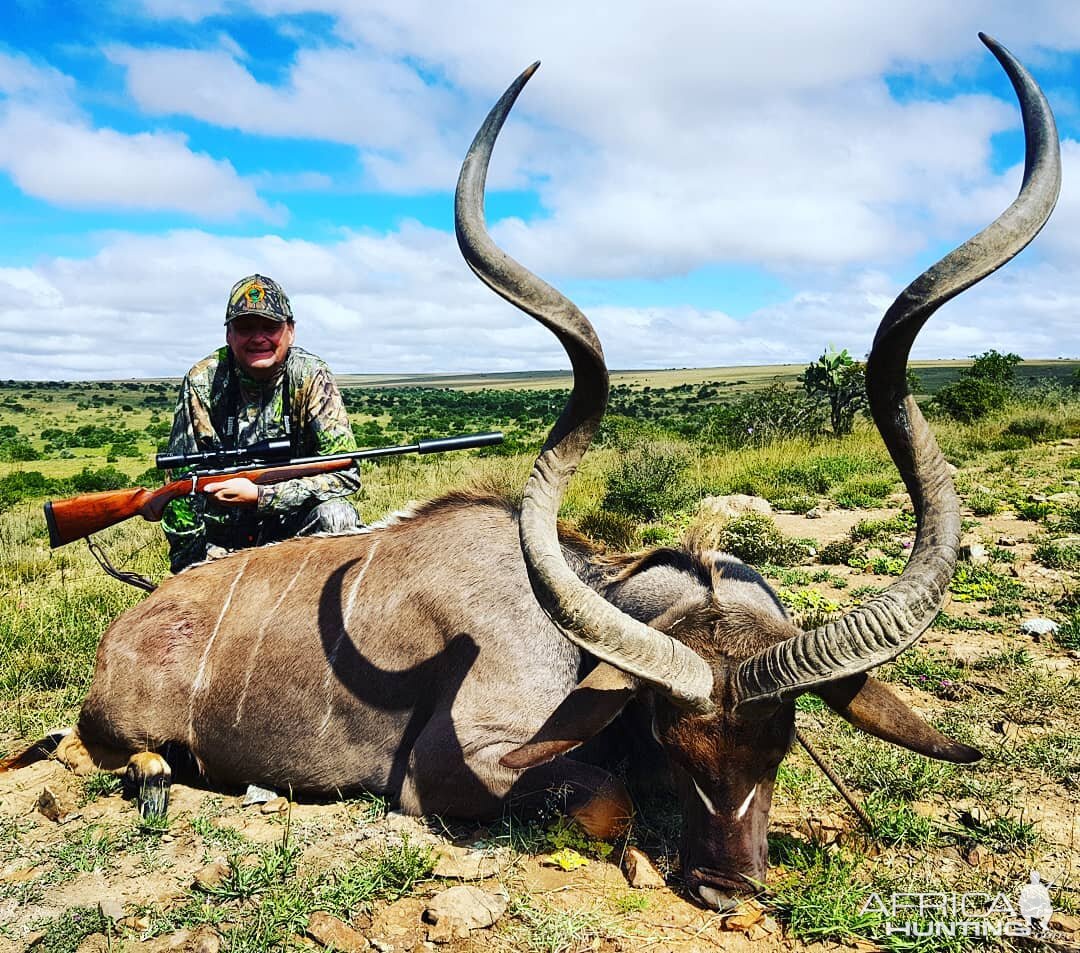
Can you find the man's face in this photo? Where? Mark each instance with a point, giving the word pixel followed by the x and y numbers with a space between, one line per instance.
pixel 259 344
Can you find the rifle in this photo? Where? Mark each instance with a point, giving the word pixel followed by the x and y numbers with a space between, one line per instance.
pixel 79 516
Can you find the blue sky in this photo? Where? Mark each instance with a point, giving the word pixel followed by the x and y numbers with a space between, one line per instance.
pixel 712 185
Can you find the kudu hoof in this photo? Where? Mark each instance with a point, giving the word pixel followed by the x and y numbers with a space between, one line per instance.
pixel 149 777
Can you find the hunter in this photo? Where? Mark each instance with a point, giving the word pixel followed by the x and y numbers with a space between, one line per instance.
pixel 259 387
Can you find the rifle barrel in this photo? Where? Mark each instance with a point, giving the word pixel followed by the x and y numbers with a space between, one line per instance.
pixel 438 445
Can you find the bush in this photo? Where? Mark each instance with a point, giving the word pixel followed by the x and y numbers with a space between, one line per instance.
pixel 971 398
pixel 89 480
pixel 648 482
pixel 837 553
pixel 764 416
pixel 17 449
pixel 1038 427
pixel 22 485
pixel 756 539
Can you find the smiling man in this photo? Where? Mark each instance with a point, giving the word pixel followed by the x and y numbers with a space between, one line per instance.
pixel 259 387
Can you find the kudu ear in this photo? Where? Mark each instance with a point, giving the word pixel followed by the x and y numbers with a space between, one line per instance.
pixel 586 711
pixel 873 707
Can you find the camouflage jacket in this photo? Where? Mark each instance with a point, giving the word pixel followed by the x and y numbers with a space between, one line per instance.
pixel 220 408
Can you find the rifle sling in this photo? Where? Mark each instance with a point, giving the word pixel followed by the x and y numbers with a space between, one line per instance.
pixel 131 578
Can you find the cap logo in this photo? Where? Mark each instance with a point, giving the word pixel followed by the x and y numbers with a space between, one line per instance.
pixel 254 294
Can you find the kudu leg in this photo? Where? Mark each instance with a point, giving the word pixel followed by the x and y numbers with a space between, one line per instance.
pixel 146 773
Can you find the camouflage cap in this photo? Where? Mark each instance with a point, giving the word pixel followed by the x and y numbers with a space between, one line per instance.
pixel 259 295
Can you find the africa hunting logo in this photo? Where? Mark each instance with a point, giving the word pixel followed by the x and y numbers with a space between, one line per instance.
pixel 975 914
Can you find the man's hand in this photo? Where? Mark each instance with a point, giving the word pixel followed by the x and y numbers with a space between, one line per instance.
pixel 238 491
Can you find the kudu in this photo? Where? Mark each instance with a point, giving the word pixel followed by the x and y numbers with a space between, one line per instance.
pixel 451 659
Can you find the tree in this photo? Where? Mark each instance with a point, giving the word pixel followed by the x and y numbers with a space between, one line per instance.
pixel 839 378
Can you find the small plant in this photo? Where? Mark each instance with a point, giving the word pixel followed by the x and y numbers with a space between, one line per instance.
pixel 67 931
pixel 903 523
pixel 565 833
pixel 837 553
pixel 1033 510
pixel 931 673
pixel 1068 633
pixel 895 823
pixel 755 539
pixel 983 504
pixel 1058 555
pixel 630 902
pixel 1002 834
pixel 97 785
pixel 1005 660
pixel 549 930
pixel 818 893
pixel 863 491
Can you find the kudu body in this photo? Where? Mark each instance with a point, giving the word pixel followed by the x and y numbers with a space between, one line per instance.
pixel 451 659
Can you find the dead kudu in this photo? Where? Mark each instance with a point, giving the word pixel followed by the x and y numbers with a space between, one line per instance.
pixel 450 660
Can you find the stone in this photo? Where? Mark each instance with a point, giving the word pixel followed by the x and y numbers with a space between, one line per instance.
pixel 975 855
pixel 381 946
pixel 1039 627
pixel 1065 922
pixel 736 504
pixel 205 939
pixel 973 553
pixel 329 931
pixel 1006 541
pixel 456 912
pixel 136 924
pixel 278 805
pixel 210 876
pixel 641 874
pixel 463 863
pixel 257 795
pixel 815 513
pixel 48 806
pixel 111 909
pixel 94 943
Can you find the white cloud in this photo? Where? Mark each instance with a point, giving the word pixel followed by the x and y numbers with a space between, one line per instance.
pixel 76 166
pixel 406 303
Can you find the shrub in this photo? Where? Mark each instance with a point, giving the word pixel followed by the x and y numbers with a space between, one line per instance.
pixel 21 485
pixel 971 398
pixel 763 416
pixel 89 480
pixel 837 553
pixel 1036 427
pixel 648 482
pixel 755 539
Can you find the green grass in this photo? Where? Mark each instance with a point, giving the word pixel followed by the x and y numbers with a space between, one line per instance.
pixel 97 785
pixel 64 933
pixel 819 893
pixel 546 929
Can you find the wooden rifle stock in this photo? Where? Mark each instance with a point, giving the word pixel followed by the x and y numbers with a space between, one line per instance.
pixel 79 516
